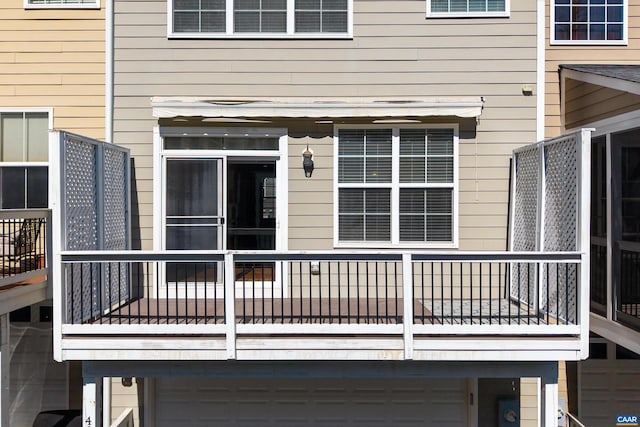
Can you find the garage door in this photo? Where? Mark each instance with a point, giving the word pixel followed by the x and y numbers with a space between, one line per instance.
pixel 37 382
pixel 609 388
pixel 197 402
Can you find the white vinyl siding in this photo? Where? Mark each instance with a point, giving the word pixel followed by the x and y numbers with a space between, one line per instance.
pixel 396 186
pixel 467 8
pixel 589 21
pixel 70 4
pixel 266 18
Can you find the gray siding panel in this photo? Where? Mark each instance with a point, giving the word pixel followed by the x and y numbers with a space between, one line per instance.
pixel 396 52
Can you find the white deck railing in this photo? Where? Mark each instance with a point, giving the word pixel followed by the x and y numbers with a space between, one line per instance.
pixel 25 238
pixel 324 292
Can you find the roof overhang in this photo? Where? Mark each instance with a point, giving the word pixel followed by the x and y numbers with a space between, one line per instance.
pixel 318 108
pixel 600 78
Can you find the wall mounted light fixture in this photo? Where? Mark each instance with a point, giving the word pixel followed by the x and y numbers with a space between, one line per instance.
pixel 307 162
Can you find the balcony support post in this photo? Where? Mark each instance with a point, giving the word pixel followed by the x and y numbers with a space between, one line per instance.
pixel 407 296
pixel 230 304
pixel 91 401
pixel 549 408
pixel 5 357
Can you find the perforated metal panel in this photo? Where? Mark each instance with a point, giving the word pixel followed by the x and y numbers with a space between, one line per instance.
pixel 525 219
pixel 560 222
pixel 80 195
pixel 95 194
pixel 81 223
pixel 115 221
pixel 546 217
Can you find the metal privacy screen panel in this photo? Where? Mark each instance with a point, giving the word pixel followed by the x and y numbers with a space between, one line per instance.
pixel 547 218
pixel 95 214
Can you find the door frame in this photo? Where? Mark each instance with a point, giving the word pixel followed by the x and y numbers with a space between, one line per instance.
pixel 280 157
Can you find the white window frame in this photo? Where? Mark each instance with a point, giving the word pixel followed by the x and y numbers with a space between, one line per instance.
pixel 625 30
pixel 49 112
pixel 94 5
pixel 395 187
pixel 505 14
pixel 230 34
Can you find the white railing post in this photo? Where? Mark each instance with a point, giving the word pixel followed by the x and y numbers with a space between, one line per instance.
pixel 407 295
pixel 230 304
pixel 56 170
pixel 584 193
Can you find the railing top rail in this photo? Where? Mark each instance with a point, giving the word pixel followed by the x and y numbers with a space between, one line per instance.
pixel 550 141
pixel 337 255
pixel 500 256
pixel 574 420
pixel 24 213
pixel 628 246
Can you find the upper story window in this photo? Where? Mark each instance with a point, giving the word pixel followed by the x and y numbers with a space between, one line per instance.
pixel 24 141
pixel 62 4
pixel 396 186
pixel 467 8
pixel 260 18
pixel 589 22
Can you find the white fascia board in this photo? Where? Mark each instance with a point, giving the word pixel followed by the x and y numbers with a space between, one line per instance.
pixel 604 81
pixel 189 107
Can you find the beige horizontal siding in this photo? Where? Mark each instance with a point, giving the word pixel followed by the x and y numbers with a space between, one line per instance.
pixel 529 395
pixel 584 108
pixel 556 55
pixel 54 58
pixel 395 52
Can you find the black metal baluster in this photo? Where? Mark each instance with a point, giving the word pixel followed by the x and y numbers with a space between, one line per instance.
pixel 348 292
pixel 339 294
pixel 358 291
pixel 320 291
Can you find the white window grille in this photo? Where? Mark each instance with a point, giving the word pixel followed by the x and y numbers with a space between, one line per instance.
pixel 62 4
pixel 396 186
pixel 23 159
pixel 261 18
pixel 589 21
pixel 467 8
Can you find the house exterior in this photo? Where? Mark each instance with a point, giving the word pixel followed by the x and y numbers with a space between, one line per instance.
pixel 591 81
pixel 319 227
pixel 53 76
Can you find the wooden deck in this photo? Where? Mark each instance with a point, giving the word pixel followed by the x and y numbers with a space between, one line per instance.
pixel 287 311
pixel 315 311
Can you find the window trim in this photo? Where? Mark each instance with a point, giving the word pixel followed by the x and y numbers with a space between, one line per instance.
pixel 46 110
pixel 395 187
pixel 229 33
pixel 505 14
pixel 94 5
pixel 623 42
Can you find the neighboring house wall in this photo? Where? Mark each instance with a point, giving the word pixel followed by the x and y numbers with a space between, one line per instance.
pixel 52 65
pixel 395 53
pixel 587 103
pixel 576 54
pixel 54 58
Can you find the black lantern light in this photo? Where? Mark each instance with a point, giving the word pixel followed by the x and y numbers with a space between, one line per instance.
pixel 307 162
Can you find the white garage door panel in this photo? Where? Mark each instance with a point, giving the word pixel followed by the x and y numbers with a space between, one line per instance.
pixel 319 402
pixel 609 388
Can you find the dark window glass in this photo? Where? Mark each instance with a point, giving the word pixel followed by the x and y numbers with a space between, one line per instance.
pixel 23 187
pixel 626 354
pixel 597 350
